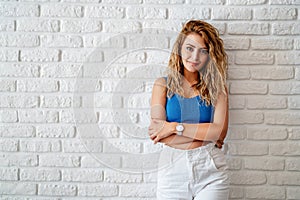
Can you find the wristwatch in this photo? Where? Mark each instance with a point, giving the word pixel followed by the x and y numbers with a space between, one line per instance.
pixel 179 128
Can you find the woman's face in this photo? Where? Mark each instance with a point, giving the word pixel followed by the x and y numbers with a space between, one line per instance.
pixel 194 53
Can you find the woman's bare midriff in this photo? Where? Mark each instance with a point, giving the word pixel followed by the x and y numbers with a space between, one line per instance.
pixel 190 145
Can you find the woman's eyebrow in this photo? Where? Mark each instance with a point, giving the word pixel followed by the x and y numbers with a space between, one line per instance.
pixel 195 46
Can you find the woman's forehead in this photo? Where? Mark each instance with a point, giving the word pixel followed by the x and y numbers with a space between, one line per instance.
pixel 195 40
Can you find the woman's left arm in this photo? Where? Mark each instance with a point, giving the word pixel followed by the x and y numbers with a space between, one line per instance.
pixel 215 132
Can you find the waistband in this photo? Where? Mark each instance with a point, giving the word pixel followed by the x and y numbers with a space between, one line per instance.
pixel 200 149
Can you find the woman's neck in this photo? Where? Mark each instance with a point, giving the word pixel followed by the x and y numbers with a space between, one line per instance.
pixel 191 77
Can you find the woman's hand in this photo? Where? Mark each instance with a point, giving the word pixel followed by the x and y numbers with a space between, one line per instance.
pixel 160 129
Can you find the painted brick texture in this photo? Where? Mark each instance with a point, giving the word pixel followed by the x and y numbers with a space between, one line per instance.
pixel 76 80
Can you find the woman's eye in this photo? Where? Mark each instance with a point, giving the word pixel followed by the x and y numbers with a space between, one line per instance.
pixel 204 51
pixel 189 48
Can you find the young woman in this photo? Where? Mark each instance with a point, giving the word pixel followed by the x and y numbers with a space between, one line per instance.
pixel 189 115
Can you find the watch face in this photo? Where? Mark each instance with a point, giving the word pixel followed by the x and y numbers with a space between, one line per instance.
pixel 179 127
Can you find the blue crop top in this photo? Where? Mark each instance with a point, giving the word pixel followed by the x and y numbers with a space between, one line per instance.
pixel 188 110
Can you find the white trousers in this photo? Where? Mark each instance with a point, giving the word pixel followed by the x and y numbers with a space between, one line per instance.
pixel 199 174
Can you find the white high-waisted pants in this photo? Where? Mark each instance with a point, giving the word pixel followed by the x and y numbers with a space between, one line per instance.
pixel 199 174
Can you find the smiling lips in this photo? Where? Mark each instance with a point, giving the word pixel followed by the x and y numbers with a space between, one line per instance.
pixel 194 64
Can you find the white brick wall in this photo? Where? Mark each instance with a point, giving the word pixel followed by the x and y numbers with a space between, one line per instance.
pixel 75 84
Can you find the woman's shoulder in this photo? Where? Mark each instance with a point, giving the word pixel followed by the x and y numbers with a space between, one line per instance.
pixel 162 81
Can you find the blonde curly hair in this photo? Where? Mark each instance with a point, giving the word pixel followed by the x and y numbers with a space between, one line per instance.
pixel 212 76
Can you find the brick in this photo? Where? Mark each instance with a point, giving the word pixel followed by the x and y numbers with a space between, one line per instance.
pixel 61 41
pixel 15 188
pixel 8 55
pixel 238 73
pixel 7 145
pixel 59 189
pixel 284 178
pixel 37 174
pixel 82 175
pixel 65 70
pixel 18 101
pixel 83 55
pixel 171 27
pixel 99 131
pixel 288 58
pixel 146 71
pixel 247 178
pixel 7 25
pixel 8 116
pixel 250 148
pixel 271 43
pixel 286 28
pixel 19 131
pixel 106 100
pixel 236 102
pixel 128 58
pixel 39 55
pixel 297 74
pixel 38 25
pixel 236 133
pixel 264 163
pixel 127 86
pixel 151 41
pixel 292 164
pixel 8 174
pixel 118 116
pixel 294 134
pixel 288 88
pixel 164 1
pixel 19 159
pixel 37 85
pixel 293 193
pixel 56 10
pixel 98 190
pixel 236 192
pixel 246 117
pixel 266 133
pixel 275 13
pixel 266 102
pixel 80 85
pixel 248 88
pixel 40 146
pixel 122 1
pixel 59 160
pixel 146 13
pixel 254 58
pixel 108 160
pixel 137 101
pixel 248 29
pixel 285 149
pixel 19 40
pixel 101 71
pixel 60 101
pixel 19 10
pixel 189 13
pixel 19 70
pixel 105 12
pixel 294 102
pixel 63 131
pixel 114 26
pixel 38 116
pixel 82 145
pixel 7 85
pixel 113 176
pixel 134 190
pixel 231 14
pixel 235 163
pixel 265 192
pixel 283 118
pixel 272 73
pixel 236 43
pixel 122 146
pixel 105 41
pixel 247 2
pixel 284 2
pixel 204 2
pixel 141 163
pixel 297 44
pixel 81 26
pixel 78 116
